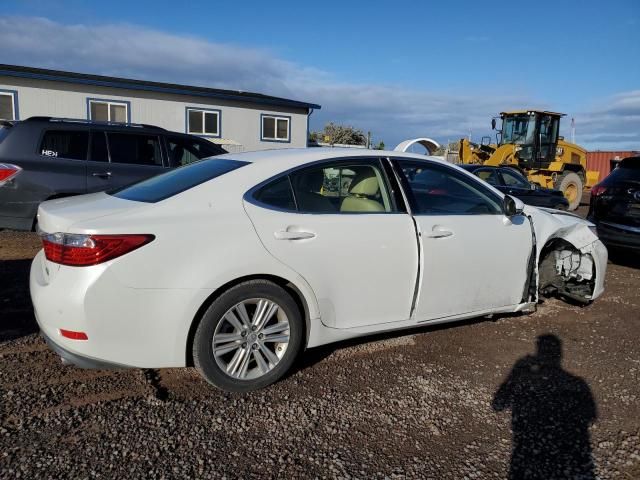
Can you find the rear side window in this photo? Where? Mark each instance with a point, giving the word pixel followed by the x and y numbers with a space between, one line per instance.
pixel 65 144
pixel 177 181
pixel 277 194
pixel 185 150
pixel 135 149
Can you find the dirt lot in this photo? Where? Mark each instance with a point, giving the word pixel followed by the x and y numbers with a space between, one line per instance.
pixel 430 403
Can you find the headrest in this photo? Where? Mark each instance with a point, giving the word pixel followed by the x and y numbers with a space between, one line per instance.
pixel 368 186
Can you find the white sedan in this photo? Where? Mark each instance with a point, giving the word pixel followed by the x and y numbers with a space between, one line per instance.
pixel 237 263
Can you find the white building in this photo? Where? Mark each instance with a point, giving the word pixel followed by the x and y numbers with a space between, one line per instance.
pixel 240 121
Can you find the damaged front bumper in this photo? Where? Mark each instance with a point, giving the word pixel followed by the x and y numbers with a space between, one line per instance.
pixel 577 274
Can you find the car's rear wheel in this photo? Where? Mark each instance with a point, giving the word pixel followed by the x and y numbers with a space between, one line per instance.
pixel 249 337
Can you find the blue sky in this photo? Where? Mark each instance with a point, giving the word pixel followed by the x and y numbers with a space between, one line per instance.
pixel 400 69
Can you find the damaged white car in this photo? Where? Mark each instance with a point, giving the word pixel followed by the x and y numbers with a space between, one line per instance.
pixel 237 263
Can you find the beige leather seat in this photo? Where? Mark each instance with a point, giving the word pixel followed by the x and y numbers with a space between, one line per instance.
pixel 364 186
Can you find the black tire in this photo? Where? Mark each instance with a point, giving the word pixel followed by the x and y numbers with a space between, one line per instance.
pixel 570 180
pixel 203 357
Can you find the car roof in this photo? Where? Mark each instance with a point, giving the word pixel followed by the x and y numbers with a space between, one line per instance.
pixel 286 158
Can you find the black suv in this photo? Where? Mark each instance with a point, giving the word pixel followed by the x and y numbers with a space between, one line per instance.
pixel 43 158
pixel 615 206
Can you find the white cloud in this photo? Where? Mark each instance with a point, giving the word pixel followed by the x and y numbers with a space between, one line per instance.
pixel 613 124
pixel 391 112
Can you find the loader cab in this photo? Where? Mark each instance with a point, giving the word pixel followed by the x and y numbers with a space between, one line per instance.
pixel 534 135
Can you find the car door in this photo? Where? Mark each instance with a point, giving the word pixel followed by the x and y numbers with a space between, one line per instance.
pixel 118 158
pixel 474 258
pixel 338 225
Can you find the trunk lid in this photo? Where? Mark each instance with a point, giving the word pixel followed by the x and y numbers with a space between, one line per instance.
pixel 61 214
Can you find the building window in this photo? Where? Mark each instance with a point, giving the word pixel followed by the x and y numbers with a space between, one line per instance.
pixel 203 122
pixel 276 129
pixel 108 111
pixel 8 105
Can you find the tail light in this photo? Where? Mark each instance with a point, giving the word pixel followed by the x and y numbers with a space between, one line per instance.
pixel 598 190
pixel 8 172
pixel 84 250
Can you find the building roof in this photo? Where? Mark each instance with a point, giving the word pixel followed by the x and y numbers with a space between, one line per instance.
pixel 131 84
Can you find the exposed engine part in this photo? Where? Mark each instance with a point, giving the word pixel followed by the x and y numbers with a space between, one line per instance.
pixel 567 272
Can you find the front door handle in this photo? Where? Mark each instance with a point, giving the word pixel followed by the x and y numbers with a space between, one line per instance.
pixel 293 235
pixel 102 174
pixel 440 232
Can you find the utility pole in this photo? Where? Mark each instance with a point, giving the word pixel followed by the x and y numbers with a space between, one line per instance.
pixel 368 139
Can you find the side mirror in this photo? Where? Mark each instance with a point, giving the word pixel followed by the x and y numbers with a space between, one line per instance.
pixel 493 124
pixel 512 206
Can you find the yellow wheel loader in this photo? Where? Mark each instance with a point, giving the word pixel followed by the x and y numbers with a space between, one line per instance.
pixel 529 140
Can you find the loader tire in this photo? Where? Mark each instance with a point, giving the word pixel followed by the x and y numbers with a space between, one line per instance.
pixel 570 184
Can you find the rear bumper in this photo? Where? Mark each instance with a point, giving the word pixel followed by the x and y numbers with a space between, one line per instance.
pixel 81 361
pixel 621 236
pixel 126 327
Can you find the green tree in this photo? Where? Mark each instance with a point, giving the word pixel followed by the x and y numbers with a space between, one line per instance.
pixel 333 133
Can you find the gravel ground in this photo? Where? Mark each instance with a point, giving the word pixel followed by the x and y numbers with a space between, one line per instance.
pixel 551 395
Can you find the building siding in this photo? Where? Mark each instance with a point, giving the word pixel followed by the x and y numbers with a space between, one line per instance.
pixel 239 120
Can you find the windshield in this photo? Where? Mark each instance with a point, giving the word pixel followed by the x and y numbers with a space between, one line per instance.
pixel 518 129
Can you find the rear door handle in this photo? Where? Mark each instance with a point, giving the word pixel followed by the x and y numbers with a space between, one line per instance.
pixel 440 232
pixel 293 235
pixel 101 174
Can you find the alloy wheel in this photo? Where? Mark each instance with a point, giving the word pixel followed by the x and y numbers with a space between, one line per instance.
pixel 251 338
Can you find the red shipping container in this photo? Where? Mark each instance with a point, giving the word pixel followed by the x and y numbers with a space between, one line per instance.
pixel 603 161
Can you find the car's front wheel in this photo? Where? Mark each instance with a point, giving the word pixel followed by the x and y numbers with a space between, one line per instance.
pixel 249 337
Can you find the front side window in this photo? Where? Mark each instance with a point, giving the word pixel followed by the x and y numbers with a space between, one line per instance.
pixel 518 129
pixel 275 128
pixel 176 181
pixel 437 190
pixel 65 144
pixel 186 150
pixel 107 111
pixel 203 122
pixel 135 149
pixel 513 179
pixel 489 175
pixel 7 106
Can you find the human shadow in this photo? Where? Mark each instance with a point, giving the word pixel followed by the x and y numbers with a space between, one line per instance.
pixel 551 411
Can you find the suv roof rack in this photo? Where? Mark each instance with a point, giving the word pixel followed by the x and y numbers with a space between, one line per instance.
pixel 92 122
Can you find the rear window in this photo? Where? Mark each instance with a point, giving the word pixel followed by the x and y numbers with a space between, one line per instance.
pixel 629 169
pixel 176 181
